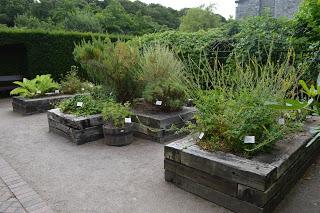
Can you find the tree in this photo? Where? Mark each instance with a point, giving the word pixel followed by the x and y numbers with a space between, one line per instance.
pixel 83 21
pixel 200 19
pixel 9 9
pixel 115 19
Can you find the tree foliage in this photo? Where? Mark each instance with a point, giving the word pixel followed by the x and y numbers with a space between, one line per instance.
pixel 112 16
pixel 200 18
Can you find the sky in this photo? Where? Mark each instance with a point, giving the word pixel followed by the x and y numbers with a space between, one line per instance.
pixel 225 8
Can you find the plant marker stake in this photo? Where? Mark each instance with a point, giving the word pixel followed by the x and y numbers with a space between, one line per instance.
pixel 82 89
pixel 57 91
pixel 159 103
pixel 128 120
pixel 281 121
pixel 201 135
pixel 249 139
pixel 38 92
pixel 80 104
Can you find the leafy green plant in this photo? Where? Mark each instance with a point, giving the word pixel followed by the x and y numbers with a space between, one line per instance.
pixel 309 103
pixel 72 83
pixel 36 87
pixel 116 113
pixel 161 72
pixel 99 92
pixel 81 105
pixel 112 65
pixel 27 88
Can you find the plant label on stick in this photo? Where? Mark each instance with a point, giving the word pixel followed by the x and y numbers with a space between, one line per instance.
pixel 79 104
pixel 38 92
pixel 281 121
pixel 57 91
pixel 249 139
pixel 128 120
pixel 159 103
pixel 82 89
pixel 201 135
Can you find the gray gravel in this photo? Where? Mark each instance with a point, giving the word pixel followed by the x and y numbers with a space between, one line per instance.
pixel 98 178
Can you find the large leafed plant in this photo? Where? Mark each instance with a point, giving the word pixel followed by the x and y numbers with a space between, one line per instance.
pixel 36 87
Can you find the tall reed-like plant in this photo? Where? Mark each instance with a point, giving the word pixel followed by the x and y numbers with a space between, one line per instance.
pixel 161 72
pixel 231 103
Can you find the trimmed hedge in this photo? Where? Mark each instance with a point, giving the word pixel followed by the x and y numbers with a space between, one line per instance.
pixel 33 52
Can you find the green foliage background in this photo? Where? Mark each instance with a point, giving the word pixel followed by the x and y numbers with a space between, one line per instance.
pixel 45 52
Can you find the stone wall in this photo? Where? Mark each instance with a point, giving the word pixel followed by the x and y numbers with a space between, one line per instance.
pixel 278 8
pixel 286 8
pixel 247 8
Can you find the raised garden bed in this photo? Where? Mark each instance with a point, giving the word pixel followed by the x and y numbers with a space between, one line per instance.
pixel 240 184
pixel 28 106
pixel 156 126
pixel 79 130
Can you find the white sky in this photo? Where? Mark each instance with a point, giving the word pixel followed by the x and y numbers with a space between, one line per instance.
pixel 223 7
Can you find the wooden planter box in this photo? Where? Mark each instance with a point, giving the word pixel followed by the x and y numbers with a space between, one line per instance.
pixel 28 106
pixel 79 130
pixel 242 185
pixel 157 126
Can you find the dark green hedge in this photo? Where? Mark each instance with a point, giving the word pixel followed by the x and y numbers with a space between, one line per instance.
pixel 32 52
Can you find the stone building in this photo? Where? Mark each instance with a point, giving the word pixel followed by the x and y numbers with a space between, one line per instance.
pixel 278 8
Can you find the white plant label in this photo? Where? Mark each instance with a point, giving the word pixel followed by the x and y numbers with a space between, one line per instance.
pixel 128 120
pixel 57 91
pixel 281 121
pixel 249 139
pixel 38 92
pixel 80 104
pixel 159 103
pixel 82 89
pixel 201 135
pixel 122 130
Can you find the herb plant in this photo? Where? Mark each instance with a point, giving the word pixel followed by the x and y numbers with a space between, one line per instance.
pixel 71 83
pixel 90 106
pixel 116 113
pixel 231 105
pixel 161 72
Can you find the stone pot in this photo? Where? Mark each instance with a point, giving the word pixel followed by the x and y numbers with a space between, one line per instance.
pixel 114 136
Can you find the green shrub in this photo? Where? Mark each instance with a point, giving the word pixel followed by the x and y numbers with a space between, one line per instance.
pixel 172 94
pixel 112 65
pixel 83 22
pixel 232 104
pixel 42 51
pixel 102 93
pixel 90 106
pixel 227 118
pixel 71 83
pixel 161 72
pixel 35 87
pixel 116 113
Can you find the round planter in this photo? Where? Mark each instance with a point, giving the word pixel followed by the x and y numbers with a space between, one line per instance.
pixel 118 136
